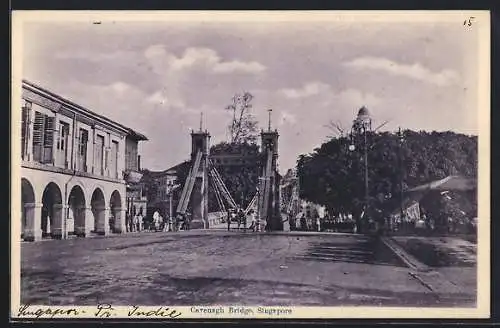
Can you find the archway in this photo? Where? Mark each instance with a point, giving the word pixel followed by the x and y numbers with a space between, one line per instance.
pixel 115 218
pixel 52 214
pixel 98 205
pixel 27 209
pixel 76 219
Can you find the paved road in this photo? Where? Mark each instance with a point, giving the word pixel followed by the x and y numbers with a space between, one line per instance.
pixel 220 267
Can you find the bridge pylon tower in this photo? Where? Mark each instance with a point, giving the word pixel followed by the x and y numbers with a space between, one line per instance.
pixel 269 197
pixel 195 190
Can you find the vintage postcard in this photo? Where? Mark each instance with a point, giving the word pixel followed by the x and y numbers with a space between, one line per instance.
pixel 269 165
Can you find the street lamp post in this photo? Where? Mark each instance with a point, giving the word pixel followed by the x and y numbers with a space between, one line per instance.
pixel 361 125
pixel 401 195
pixel 366 172
pixel 257 223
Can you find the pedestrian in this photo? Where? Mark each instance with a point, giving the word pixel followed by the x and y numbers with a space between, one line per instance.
pixel 244 219
pixel 127 227
pixel 180 222
pixel 165 224
pixel 238 217
pixel 47 227
pixel 229 220
pixel 156 217
pixel 318 223
pixel 140 219
pixel 156 223
pixel 253 225
pixel 130 222
pixel 111 223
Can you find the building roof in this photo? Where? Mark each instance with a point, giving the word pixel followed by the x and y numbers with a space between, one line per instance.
pixel 363 111
pixel 172 171
pixel 452 182
pixel 82 110
pixel 136 135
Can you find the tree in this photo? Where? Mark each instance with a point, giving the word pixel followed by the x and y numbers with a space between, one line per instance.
pixel 333 176
pixel 243 127
pixel 240 178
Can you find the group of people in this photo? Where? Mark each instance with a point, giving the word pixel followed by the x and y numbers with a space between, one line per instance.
pixel 304 223
pixel 239 216
pixel 137 223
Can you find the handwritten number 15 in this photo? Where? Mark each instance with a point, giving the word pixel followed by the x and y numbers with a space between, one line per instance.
pixel 468 22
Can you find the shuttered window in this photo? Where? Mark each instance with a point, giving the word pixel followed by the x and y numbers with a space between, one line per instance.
pixel 25 129
pixel 82 149
pixel 113 160
pixel 48 139
pixel 38 126
pixel 99 154
pixel 43 137
pixel 84 138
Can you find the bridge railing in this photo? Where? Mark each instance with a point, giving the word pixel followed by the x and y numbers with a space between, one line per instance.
pixel 215 218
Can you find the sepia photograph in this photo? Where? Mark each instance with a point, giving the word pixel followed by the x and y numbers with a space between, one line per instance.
pixel 250 164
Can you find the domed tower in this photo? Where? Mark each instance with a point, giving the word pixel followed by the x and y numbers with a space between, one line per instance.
pixel 363 121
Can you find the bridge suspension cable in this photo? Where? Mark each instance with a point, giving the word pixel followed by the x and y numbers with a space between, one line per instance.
pixel 188 185
pixel 252 204
pixel 266 184
pixel 217 191
pixel 220 184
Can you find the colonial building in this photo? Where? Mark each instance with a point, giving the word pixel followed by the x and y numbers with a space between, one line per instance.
pixel 136 190
pixel 72 166
pixel 166 191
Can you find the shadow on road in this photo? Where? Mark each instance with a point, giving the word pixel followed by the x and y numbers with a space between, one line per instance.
pixel 368 250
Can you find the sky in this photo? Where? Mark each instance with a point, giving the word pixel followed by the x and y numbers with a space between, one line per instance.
pixel 156 77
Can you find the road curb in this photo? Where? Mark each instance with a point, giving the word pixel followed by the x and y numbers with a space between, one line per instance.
pixel 408 259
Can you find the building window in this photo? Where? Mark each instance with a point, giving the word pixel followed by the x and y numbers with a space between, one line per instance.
pixel 62 144
pixel 43 137
pixel 113 160
pixel 99 154
pixel 26 113
pixel 83 138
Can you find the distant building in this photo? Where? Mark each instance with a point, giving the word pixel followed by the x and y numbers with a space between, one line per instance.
pixel 234 159
pixel 73 165
pixel 137 200
pixel 166 191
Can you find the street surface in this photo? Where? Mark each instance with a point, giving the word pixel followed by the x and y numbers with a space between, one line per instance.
pixel 216 267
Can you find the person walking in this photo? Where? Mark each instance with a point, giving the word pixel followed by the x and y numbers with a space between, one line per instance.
pixel 238 218
pixel 253 224
pixel 140 220
pixel 166 224
pixel 243 218
pixel 303 223
pixel 187 221
pixel 156 216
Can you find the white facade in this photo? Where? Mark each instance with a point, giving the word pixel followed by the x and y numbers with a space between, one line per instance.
pixel 72 168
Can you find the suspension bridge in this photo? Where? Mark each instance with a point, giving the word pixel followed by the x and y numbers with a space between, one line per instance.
pixel 203 173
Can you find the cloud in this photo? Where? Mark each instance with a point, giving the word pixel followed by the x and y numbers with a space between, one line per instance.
pixel 160 98
pixel 96 57
pixel 415 71
pixel 327 95
pixel 357 97
pixel 287 118
pixel 309 89
pixel 205 58
pixel 120 87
